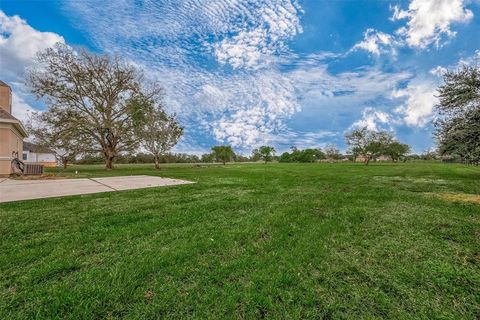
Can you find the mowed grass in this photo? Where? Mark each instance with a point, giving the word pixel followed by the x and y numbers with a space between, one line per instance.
pixel 248 241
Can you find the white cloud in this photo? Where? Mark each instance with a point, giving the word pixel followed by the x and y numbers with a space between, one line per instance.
pixel 20 109
pixel 474 59
pixel 347 90
pixel 259 106
pixel 469 61
pixel 418 107
pixel 420 93
pixel 239 33
pixel 257 109
pixel 376 42
pixel 375 120
pixel 19 44
pixel 429 21
pixel 243 128
pixel 438 71
pixel 253 46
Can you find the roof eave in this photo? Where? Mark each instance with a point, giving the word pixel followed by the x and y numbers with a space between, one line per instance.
pixel 18 125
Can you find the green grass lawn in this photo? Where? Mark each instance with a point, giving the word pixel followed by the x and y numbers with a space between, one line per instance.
pixel 279 241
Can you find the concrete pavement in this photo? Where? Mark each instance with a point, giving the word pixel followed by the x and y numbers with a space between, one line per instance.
pixel 15 190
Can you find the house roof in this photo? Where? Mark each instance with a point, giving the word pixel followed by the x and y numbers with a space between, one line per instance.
pixel 3 84
pixel 28 146
pixel 6 117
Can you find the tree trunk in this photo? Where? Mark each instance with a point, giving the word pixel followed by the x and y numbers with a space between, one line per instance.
pixel 109 156
pixel 64 162
pixel 157 163
pixel 367 160
pixel 109 163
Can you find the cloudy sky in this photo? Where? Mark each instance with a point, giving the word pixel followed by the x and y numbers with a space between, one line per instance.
pixel 278 72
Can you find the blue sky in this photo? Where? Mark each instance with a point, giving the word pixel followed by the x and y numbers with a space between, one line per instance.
pixel 278 72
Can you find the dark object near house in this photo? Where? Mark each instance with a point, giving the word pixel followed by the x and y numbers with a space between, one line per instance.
pixel 33 169
pixel 26 168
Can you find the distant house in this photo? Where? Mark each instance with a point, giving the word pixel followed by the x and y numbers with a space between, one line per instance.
pixel 383 158
pixel 361 158
pixel 36 154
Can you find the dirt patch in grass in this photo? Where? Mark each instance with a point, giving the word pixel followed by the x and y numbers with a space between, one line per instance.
pixel 423 180
pixel 461 197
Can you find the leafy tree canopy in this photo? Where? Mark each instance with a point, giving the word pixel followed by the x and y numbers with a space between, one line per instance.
pixel 98 99
pixel 458 126
pixel 371 144
pixel 305 155
pixel 223 154
pixel 265 153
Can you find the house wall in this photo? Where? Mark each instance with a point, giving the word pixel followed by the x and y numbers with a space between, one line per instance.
pixel 47 159
pixel 6 99
pixel 10 141
pixel 383 158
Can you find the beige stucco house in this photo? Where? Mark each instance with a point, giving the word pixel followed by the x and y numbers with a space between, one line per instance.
pixel 12 131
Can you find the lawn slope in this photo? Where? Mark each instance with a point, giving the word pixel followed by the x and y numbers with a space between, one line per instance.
pixel 250 241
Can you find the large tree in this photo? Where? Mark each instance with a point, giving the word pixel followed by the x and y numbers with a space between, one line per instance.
pixel 95 97
pixel 458 126
pixel 358 141
pixel 397 150
pixel 306 155
pixel 159 132
pixel 332 152
pixel 223 154
pixel 266 153
pixel 372 144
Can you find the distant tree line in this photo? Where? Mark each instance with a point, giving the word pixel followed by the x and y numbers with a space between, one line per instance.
pixel 305 155
pixel 141 157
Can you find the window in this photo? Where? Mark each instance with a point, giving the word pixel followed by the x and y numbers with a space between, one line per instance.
pixel 24 157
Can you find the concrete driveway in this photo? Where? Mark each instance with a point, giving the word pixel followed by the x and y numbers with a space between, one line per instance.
pixel 14 190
